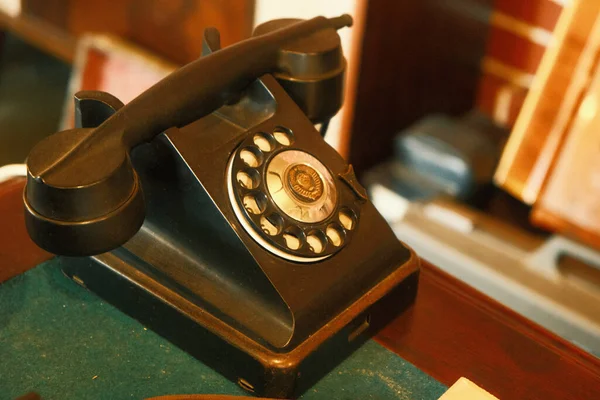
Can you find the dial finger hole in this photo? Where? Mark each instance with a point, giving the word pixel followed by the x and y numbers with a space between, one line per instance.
pixel 264 141
pixel 335 235
pixel 248 178
pixel 347 218
pixel 316 241
pixel 255 203
pixel 293 238
pixel 283 136
pixel 272 224
pixel 251 156
pixel 291 241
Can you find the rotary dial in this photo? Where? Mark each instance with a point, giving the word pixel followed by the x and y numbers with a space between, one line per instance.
pixel 288 200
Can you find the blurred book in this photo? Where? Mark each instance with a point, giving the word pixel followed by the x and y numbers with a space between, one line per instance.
pixel 442 155
pixel 558 88
pixel 569 202
pixel 550 160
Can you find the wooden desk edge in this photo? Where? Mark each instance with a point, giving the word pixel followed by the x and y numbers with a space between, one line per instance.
pixel 512 319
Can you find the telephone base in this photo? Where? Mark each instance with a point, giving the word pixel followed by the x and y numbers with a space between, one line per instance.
pixel 256 368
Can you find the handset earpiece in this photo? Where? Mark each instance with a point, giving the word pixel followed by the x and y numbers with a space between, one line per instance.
pixel 83 196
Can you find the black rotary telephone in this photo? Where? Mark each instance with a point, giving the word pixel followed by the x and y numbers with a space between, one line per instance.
pixel 212 210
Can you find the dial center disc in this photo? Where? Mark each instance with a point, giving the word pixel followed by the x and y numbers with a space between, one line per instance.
pixel 301 186
pixel 304 183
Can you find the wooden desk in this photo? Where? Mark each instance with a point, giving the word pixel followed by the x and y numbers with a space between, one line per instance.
pixel 451 331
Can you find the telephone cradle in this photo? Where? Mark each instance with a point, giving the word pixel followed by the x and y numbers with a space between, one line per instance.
pixel 211 209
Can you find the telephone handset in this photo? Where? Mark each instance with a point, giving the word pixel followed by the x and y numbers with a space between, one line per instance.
pixel 81 181
pixel 252 246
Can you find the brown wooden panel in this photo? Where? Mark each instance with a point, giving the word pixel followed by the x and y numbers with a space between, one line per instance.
pixel 418 57
pixel 17 252
pixel 454 330
pixel 170 28
pixel 54 12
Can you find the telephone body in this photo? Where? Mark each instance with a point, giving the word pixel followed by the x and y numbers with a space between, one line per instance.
pixel 253 246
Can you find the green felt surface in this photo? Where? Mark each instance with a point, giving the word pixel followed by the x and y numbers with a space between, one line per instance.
pixel 63 342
